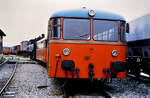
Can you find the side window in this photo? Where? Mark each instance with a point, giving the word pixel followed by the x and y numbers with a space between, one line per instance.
pixel 45 43
pixel 146 54
pixel 122 31
pixel 129 53
pixel 137 51
pixel 49 29
pixel 41 45
pixel 55 28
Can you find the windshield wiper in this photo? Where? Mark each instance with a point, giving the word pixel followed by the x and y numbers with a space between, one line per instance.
pixel 84 35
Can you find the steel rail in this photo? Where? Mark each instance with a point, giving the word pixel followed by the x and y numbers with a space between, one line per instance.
pixel 67 93
pixel 10 78
pixel 106 94
pixel 4 62
pixel 141 78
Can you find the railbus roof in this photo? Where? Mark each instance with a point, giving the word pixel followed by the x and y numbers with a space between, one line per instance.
pixel 83 13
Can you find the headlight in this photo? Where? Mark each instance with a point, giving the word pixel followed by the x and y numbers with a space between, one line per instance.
pixel 91 13
pixel 114 53
pixel 66 51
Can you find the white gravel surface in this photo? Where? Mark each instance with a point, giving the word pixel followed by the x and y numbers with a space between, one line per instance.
pixel 30 76
pixel 6 70
pixel 129 88
pixel 5 73
pixel 27 80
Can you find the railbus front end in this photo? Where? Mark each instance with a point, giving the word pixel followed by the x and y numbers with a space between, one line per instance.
pixel 86 44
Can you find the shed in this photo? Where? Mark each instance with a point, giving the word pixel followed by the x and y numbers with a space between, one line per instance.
pixel 1 40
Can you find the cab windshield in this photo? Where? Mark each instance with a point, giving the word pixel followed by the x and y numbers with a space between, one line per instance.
pixel 80 29
pixel 76 29
pixel 105 30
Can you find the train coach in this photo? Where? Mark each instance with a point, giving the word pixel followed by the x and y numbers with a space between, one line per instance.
pixel 6 50
pixel 41 51
pixel 15 50
pixel 86 44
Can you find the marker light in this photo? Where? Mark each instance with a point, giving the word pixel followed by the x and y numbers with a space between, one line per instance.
pixel 92 13
pixel 66 51
pixel 114 53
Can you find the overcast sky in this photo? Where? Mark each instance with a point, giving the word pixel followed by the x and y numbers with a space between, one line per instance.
pixel 26 19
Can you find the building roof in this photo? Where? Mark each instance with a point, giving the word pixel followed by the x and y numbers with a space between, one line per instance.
pixel 2 33
pixel 84 14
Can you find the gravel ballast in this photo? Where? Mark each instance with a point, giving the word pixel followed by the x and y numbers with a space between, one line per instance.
pixel 32 81
pixel 6 70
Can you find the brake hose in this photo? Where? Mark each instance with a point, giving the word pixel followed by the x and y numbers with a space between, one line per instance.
pixel 58 57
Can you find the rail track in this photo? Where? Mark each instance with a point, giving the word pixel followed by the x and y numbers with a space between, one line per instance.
pixel 140 78
pixel 3 62
pixel 8 80
pixel 78 88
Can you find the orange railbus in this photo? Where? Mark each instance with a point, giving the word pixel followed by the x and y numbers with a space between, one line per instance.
pixel 86 44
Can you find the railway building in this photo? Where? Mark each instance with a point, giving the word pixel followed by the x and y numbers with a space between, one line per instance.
pixel 1 42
